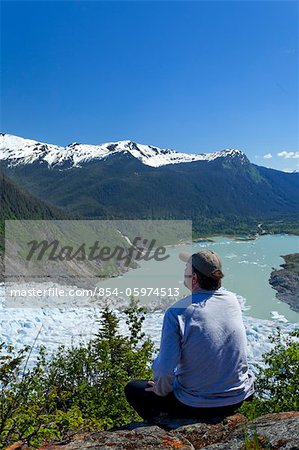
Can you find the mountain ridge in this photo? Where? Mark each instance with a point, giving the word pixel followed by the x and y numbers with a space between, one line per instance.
pixel 217 194
pixel 20 151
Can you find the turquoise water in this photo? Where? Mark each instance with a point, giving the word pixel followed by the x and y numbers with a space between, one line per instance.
pixel 247 266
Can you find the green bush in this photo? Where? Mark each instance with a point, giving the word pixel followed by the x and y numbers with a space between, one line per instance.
pixel 78 388
pixel 81 388
pixel 277 385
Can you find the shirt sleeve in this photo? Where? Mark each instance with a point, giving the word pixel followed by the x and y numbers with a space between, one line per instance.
pixel 169 354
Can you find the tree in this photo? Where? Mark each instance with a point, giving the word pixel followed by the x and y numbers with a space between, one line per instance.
pixel 78 388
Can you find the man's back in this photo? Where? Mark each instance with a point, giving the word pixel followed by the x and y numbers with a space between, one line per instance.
pixel 201 370
pixel 204 343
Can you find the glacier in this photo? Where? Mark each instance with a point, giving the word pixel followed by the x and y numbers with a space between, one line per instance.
pixel 52 326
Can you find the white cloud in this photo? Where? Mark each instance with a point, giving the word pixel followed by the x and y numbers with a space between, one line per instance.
pixel 288 155
pixel 267 156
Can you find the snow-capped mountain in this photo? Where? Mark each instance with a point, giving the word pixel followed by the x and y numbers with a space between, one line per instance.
pixel 19 151
pixel 128 180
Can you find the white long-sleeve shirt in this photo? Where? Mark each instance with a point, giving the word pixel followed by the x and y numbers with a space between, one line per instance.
pixel 202 356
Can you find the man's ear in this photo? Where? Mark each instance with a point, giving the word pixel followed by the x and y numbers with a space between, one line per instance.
pixel 195 279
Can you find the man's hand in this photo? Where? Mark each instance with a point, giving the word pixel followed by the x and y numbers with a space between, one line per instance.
pixel 152 387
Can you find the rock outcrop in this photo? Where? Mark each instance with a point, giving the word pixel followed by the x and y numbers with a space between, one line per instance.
pixel 269 432
pixel 286 281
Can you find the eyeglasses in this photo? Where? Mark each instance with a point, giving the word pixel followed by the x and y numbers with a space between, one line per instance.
pixel 188 276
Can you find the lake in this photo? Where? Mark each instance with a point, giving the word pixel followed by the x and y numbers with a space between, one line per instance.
pixel 246 264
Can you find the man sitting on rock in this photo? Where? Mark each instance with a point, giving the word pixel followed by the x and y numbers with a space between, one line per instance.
pixel 201 370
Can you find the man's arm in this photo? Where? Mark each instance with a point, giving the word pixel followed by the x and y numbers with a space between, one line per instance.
pixel 169 354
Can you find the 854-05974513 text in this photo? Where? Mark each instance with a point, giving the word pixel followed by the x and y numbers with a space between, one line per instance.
pixel 97 292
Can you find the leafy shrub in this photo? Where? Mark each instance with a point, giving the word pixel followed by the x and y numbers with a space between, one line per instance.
pixel 81 388
pixel 78 388
pixel 277 385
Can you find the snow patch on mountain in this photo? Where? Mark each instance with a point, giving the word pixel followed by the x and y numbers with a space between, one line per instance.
pixel 19 151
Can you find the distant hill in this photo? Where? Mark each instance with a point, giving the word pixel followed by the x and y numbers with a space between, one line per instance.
pixel 17 203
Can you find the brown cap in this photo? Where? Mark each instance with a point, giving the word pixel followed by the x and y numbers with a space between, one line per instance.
pixel 205 261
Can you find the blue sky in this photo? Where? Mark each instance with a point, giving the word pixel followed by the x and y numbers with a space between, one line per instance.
pixel 192 76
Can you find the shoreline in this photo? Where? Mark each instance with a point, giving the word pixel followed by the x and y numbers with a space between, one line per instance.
pixel 286 281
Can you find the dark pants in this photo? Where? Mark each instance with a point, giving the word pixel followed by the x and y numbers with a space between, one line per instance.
pixel 149 404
